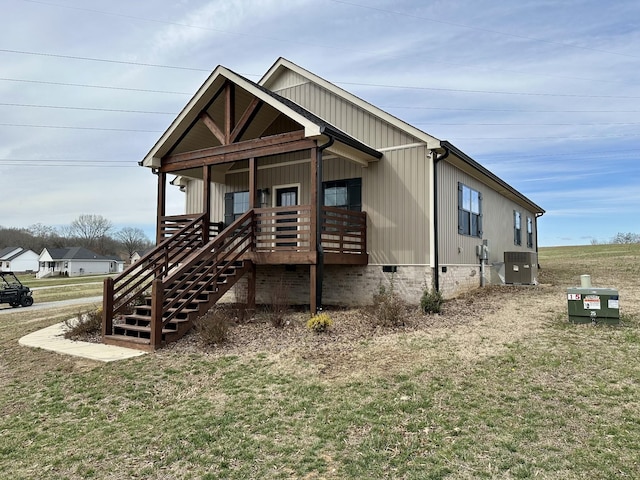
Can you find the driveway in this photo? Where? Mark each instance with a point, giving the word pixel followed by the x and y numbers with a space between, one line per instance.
pixel 6 308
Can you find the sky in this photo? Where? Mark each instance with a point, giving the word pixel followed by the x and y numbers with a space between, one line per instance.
pixel 545 94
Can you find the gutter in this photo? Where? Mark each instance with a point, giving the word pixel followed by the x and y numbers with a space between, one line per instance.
pixel 335 134
pixel 436 259
pixel 319 203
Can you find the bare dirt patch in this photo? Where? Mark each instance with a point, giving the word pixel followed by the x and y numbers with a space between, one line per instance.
pixel 476 324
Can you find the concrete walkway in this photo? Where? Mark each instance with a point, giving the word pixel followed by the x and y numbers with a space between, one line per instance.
pixel 52 339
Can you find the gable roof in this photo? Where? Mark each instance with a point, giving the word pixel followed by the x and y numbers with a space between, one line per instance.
pixel 314 127
pixel 279 68
pixel 10 253
pixel 269 80
pixel 5 252
pixel 75 253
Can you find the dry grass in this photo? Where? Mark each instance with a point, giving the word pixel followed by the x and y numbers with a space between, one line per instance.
pixel 499 385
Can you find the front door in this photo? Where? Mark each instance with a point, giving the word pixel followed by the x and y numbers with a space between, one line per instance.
pixel 286 197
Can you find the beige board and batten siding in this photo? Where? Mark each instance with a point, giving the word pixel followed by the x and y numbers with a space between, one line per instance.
pixel 497 220
pixel 395 196
pixel 395 189
pixel 352 119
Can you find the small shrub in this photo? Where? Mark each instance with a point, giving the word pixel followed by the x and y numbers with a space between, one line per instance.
pixel 279 304
pixel 388 309
pixel 321 322
pixel 213 327
pixel 86 324
pixel 431 301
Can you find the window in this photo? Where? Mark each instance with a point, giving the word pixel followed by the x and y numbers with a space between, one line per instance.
pixel 343 194
pixel 517 228
pixel 235 204
pixel 469 211
pixel 529 232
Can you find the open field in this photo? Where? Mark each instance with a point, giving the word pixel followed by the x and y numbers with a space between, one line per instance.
pixel 63 288
pixel 499 385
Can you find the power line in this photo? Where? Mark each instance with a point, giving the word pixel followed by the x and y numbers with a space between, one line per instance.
pixel 64 107
pixel 104 60
pixel 93 86
pixel 610 153
pixel 504 110
pixel 79 128
pixel 487 30
pixel 494 92
pixel 572 137
pixel 510 124
pixel 402 87
pixel 483 67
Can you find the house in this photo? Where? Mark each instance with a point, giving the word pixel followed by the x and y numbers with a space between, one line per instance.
pixel 18 259
pixel 76 261
pixel 294 180
pixel 138 254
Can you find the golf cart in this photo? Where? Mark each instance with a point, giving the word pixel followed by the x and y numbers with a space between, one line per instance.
pixel 13 292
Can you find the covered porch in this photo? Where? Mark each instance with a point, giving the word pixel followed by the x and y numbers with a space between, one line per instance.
pixel 203 253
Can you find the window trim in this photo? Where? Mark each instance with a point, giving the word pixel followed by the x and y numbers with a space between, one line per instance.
pixel 517 228
pixel 229 215
pixel 466 216
pixel 529 232
pixel 350 184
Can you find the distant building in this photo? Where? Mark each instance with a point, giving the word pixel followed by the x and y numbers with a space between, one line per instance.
pixel 18 259
pixel 76 261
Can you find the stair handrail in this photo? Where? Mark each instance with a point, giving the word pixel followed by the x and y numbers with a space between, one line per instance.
pixel 157 263
pixel 225 249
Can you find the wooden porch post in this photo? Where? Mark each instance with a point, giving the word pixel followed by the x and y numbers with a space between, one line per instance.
pixel 253 194
pixel 156 314
pixel 107 307
pixel 253 177
pixel 206 207
pixel 161 207
pixel 315 282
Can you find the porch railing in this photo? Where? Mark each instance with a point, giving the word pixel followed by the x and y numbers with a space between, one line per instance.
pixel 344 231
pixel 120 290
pixel 288 229
pixel 283 229
pixel 170 225
pixel 176 292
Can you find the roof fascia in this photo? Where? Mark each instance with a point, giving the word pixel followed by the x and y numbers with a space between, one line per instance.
pixel 186 116
pixel 491 176
pixel 282 63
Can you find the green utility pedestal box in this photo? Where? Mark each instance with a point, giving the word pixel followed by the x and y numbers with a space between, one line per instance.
pixel 598 305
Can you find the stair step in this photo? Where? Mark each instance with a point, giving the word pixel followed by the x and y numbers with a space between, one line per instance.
pixel 140 328
pixel 136 331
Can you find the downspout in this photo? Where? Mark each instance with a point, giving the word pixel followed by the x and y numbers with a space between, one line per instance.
pixel 319 204
pixel 537 216
pixel 436 259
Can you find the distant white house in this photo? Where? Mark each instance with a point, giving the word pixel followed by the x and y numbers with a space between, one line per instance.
pixel 18 259
pixel 138 254
pixel 76 261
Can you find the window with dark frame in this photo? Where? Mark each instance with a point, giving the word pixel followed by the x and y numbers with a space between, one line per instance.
pixel 529 232
pixel 235 204
pixel 469 211
pixel 517 227
pixel 343 194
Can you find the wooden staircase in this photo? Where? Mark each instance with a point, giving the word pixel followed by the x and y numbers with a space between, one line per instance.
pixel 177 282
pixel 135 331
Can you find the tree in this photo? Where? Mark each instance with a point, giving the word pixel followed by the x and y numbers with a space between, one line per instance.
pixel 91 231
pixel 132 239
pixel 626 238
